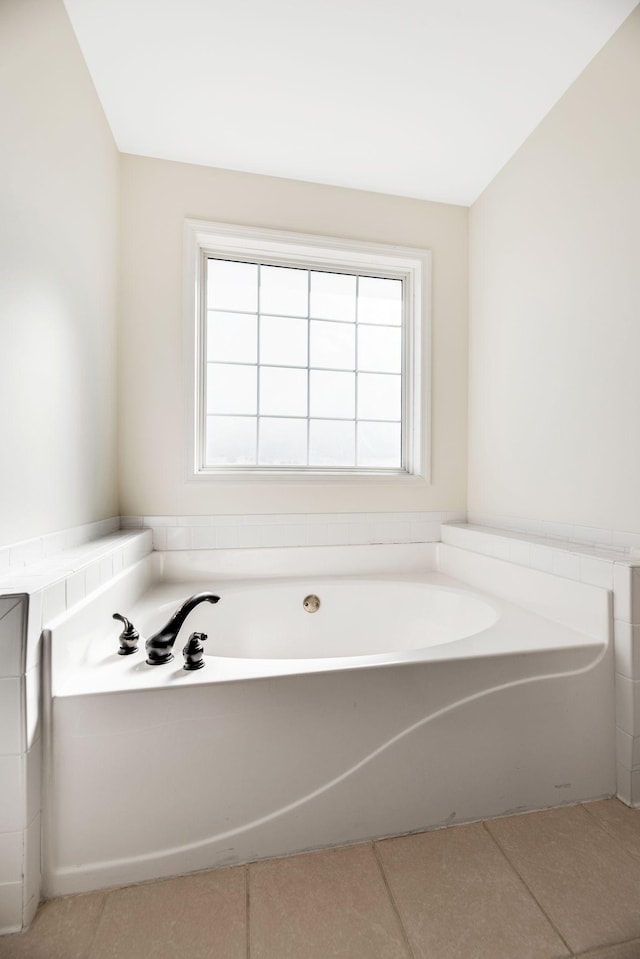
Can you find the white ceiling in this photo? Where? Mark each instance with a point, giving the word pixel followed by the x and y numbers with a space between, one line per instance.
pixel 421 98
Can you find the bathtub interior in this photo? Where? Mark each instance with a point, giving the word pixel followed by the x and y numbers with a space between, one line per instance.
pixel 261 629
pixel 276 755
pixel 355 618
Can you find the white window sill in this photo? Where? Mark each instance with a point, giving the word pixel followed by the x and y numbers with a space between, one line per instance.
pixel 308 477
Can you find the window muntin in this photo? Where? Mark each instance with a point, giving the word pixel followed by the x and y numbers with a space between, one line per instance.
pixel 305 364
pixel 246 247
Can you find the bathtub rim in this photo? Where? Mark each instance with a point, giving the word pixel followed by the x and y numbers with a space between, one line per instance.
pixel 491 641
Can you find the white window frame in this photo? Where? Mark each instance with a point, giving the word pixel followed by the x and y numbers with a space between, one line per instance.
pixel 202 238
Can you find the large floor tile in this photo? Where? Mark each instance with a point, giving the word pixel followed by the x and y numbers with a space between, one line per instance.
pixel 619 820
pixel 193 917
pixel 583 879
pixel 627 950
pixel 324 905
pixel 458 898
pixel 62 929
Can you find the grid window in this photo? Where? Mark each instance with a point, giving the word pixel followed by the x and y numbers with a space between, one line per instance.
pixel 304 368
pixel 307 356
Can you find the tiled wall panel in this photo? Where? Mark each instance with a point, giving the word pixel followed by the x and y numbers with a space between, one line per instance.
pixel 30 598
pixel 291 530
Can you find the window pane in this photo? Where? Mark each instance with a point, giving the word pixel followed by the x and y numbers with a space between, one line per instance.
pixel 231 440
pixel 283 392
pixel 331 443
pixel 379 301
pixel 379 396
pixel 333 345
pixel 303 355
pixel 379 445
pixel 283 341
pixel 231 389
pixel 232 337
pixel 332 394
pixel 380 349
pixel 284 291
pixel 232 286
pixel 333 296
pixel 282 442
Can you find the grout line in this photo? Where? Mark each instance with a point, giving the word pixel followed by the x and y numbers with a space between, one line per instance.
pixel 98 924
pixel 529 891
pixel 394 905
pixel 248 913
pixel 611 946
pixel 608 833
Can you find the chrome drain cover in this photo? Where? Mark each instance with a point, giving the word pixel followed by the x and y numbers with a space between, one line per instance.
pixel 311 603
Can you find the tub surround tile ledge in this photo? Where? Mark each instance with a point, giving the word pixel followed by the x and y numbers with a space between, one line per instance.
pixel 571 559
pixel 270 530
pixel 589 536
pixel 18 555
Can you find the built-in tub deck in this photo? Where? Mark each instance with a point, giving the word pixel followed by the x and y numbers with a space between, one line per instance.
pixel 408 701
pixel 260 629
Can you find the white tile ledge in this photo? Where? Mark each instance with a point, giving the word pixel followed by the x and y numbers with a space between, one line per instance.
pixel 16 556
pixel 132 544
pixel 605 538
pixel 54 586
pixel 269 530
pixel 487 540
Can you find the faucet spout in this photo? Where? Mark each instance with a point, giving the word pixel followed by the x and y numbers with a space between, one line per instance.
pixel 159 646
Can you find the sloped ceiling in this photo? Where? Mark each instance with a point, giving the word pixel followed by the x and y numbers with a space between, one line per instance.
pixel 421 98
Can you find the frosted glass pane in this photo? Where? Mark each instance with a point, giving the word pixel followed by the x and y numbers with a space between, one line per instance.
pixel 232 286
pixel 333 345
pixel 379 301
pixel 379 397
pixel 231 440
pixel 379 445
pixel 283 392
pixel 380 349
pixel 284 291
pixel 283 341
pixel 333 297
pixel 232 337
pixel 331 443
pixel 282 442
pixel 332 394
pixel 231 389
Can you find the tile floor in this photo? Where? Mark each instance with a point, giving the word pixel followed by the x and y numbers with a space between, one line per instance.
pixel 563 882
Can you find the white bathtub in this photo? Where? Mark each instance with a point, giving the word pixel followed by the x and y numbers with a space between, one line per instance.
pixel 356 618
pixel 406 702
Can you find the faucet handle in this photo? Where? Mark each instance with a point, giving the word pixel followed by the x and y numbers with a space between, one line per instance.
pixel 193 652
pixel 128 637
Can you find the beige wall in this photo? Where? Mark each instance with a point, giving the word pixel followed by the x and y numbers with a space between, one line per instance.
pixel 58 260
pixel 554 387
pixel 157 195
pixel 555 324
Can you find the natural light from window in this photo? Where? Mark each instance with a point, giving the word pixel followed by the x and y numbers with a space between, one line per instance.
pixel 304 368
pixel 307 357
